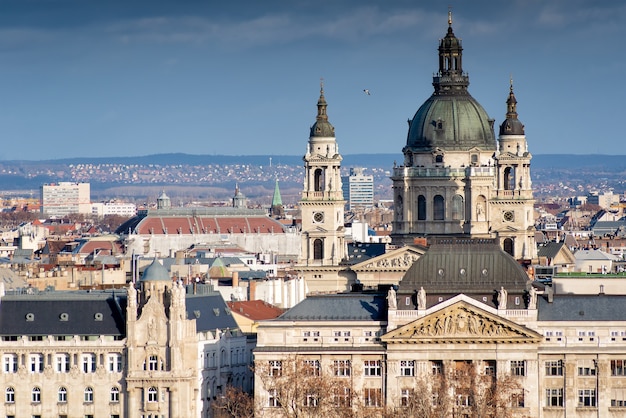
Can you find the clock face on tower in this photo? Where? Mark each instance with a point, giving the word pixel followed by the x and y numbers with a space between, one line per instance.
pixel 318 217
pixel 508 216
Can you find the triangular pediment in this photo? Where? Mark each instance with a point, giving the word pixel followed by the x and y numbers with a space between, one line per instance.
pixel 461 322
pixel 399 259
pixel 507 228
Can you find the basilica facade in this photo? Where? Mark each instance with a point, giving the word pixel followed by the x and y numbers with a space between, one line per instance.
pixel 457 178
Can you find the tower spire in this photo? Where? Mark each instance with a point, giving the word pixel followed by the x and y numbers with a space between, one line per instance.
pixel 450 78
pixel 321 103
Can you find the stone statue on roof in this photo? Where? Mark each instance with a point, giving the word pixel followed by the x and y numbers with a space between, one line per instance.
pixel 421 298
pixel 502 297
pixel 392 303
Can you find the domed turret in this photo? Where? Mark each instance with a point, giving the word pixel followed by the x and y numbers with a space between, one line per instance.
pixel 451 119
pixel 155 272
pixel 321 127
pixel 511 125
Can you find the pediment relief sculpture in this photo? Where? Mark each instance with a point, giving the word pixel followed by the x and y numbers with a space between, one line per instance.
pixel 460 323
pixel 401 261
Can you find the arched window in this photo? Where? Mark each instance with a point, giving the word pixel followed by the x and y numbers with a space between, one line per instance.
pixel 88 394
pixel 509 178
pixel 458 208
pixel 318 180
pixel 153 394
pixel 318 249
pixel 115 394
pixel 62 395
pixel 439 208
pixel 35 395
pixel 509 246
pixel 9 395
pixel 421 208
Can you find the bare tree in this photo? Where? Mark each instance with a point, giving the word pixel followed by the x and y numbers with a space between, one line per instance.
pixel 298 388
pixel 463 391
pixel 234 403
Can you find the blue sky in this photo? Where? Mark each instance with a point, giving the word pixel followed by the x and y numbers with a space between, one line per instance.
pixel 82 78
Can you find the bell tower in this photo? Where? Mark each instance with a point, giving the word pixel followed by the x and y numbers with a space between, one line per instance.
pixel 512 206
pixel 322 202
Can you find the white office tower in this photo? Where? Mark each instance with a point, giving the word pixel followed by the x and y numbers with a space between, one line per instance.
pixel 358 190
pixel 64 198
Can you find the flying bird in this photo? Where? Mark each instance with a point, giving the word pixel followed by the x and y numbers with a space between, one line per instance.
pixel 366 91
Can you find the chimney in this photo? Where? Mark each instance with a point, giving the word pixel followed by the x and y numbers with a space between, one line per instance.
pixel 235 279
pixel 252 290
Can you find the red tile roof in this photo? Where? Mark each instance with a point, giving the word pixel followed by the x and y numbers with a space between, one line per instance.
pixel 160 225
pixel 255 309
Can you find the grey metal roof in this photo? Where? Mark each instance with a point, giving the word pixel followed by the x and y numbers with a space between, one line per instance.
pixel 464 265
pixel 550 249
pixel 63 313
pixel 342 306
pixel 210 312
pixel 582 308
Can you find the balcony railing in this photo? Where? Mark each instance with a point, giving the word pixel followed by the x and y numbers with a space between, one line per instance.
pixel 443 172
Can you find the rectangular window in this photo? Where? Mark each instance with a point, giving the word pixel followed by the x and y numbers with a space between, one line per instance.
pixel 517 399
pixel 587 397
pixel 554 397
pixel 115 363
pixel 586 368
pixel 10 363
pixel 153 363
pixel 407 368
pixel 618 398
pixel 618 367
pixel 311 400
pixel 436 366
pixel 371 368
pixel 518 367
pixel 490 368
pixel 405 397
pixel 372 397
pixel 554 368
pixel 36 363
pixel 312 367
pixel 63 363
pixel 276 368
pixel 463 399
pixel 342 367
pixel 89 363
pixel 342 397
pixel 272 399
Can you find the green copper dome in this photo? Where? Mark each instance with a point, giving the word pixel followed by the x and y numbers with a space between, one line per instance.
pixel 451 119
pixel 452 123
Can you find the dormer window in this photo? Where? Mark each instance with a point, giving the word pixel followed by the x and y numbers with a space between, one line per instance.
pixel 439 158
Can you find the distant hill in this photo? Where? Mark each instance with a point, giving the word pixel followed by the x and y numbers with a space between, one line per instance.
pixel 569 172
pixel 558 161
